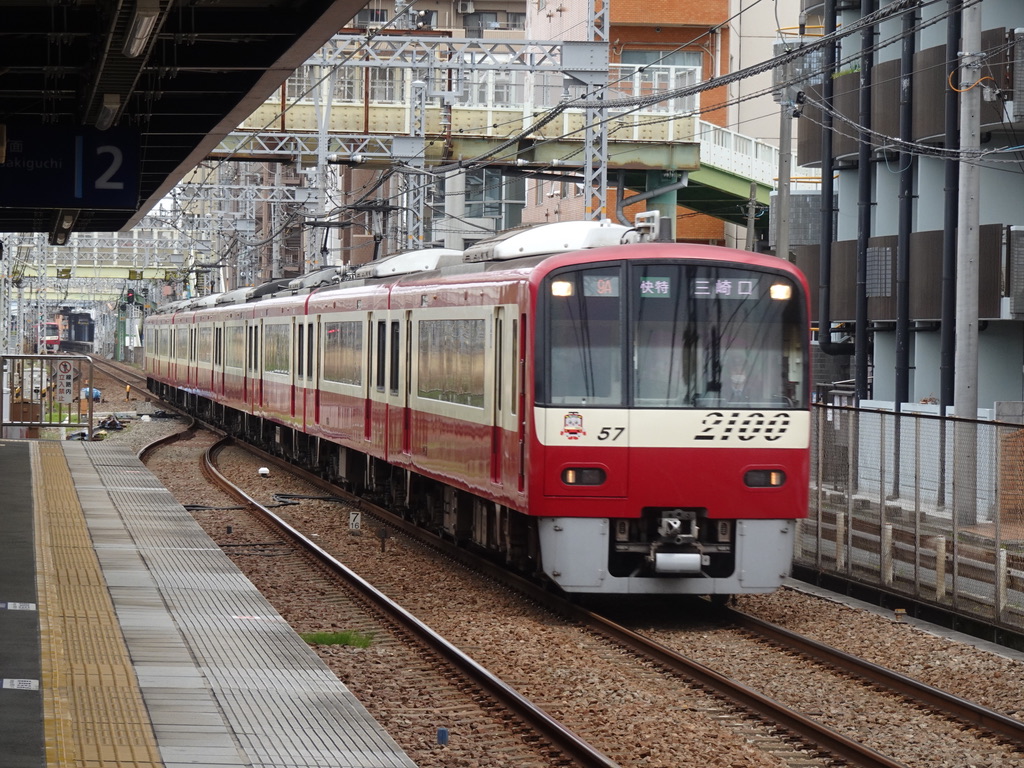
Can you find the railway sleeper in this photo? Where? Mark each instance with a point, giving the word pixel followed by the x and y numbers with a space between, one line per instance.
pixel 505 535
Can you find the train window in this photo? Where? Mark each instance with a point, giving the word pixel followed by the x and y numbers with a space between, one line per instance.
pixel 713 336
pixel 254 348
pixel 204 351
pixel 452 360
pixel 234 346
pixel 382 343
pixel 276 352
pixel 218 346
pixel 181 342
pixel 343 352
pixel 697 335
pixel 584 337
pixel 395 356
pixel 309 350
pixel 517 367
pixel 499 374
pixel 300 347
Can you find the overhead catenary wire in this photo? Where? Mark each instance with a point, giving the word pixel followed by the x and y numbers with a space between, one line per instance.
pixel 634 103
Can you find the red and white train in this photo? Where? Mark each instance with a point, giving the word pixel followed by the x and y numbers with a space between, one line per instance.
pixel 613 415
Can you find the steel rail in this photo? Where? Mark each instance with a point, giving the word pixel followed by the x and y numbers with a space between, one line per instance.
pixel 574 747
pixel 818 734
pixel 945 703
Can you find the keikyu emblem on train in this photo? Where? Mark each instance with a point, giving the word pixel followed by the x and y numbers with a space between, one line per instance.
pixel 572 426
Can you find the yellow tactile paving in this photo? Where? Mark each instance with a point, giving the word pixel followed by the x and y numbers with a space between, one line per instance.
pixel 95 716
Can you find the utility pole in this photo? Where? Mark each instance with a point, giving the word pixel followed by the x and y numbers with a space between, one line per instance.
pixel 966 388
pixel 787 93
pixel 785 176
pixel 751 215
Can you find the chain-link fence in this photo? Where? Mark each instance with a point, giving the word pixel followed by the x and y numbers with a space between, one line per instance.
pixel 920 505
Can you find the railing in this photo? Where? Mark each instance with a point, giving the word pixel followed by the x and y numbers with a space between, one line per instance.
pixel 919 505
pixel 520 95
pixel 41 391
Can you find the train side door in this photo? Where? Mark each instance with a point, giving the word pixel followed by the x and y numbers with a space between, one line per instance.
pixel 298 367
pixel 399 372
pixel 303 383
pixel 193 334
pixel 499 396
pixel 519 409
pixel 246 363
pixel 254 365
pixel 218 358
pixel 375 428
pixel 317 362
pixel 246 375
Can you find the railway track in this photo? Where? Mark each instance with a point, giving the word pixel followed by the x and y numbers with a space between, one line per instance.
pixel 1008 731
pixel 954 707
pixel 125 375
pixel 818 742
pixel 424 658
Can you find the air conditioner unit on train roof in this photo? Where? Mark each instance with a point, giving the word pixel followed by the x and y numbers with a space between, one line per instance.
pixel 422 260
pixel 538 239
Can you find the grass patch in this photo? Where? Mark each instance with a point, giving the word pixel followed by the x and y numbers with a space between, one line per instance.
pixel 357 639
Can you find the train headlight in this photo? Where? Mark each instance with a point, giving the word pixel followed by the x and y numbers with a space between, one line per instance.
pixel 561 288
pixel 764 478
pixel 584 476
pixel 781 292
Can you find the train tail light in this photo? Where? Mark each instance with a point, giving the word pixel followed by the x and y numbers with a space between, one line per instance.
pixel 764 478
pixel 584 476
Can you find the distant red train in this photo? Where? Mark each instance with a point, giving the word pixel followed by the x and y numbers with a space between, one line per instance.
pixel 611 415
pixel 50 337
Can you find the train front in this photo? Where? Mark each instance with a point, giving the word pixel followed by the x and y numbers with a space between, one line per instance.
pixel 671 420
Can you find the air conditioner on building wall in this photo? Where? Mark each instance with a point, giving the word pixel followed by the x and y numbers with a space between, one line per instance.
pixel 464 6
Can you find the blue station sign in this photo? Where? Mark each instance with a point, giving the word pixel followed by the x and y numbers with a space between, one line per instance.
pixel 52 167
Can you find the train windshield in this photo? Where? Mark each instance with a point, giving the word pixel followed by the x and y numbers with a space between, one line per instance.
pixel 673 335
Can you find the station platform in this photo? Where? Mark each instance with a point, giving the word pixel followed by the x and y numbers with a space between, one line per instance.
pixel 129 640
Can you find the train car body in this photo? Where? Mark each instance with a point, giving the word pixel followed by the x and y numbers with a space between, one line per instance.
pixel 51 336
pixel 615 418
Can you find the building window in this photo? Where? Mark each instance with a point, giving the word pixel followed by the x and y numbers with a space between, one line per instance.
pixel 879 271
pixel 371 17
pixel 491 195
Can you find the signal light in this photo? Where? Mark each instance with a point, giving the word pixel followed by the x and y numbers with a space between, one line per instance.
pixel 130 297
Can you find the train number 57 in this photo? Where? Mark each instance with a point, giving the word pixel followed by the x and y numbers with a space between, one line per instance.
pixel 610 433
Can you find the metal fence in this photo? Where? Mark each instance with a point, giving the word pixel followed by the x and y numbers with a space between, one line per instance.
pixel 44 391
pixel 919 505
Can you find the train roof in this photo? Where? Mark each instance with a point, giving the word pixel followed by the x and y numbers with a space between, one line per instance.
pixel 530 240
